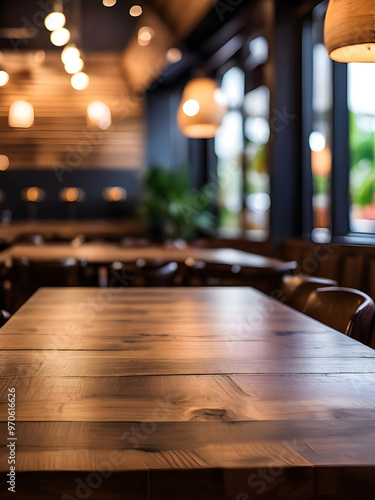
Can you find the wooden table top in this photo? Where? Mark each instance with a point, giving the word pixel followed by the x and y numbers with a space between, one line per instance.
pixel 71 228
pixel 106 253
pixel 209 385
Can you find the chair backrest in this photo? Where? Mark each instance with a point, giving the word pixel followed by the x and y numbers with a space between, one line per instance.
pixel 347 310
pixel 61 272
pixel 156 273
pixel 143 273
pixel 297 296
pixel 36 274
pixel 291 282
pixel 199 273
pixel 31 239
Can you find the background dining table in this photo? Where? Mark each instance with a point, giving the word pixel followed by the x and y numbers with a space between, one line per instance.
pixel 183 393
pixel 106 253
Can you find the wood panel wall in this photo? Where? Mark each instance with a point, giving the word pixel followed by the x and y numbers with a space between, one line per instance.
pixel 59 136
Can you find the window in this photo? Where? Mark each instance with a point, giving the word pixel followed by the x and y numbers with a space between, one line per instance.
pixel 320 140
pixel 361 105
pixel 229 146
pixel 241 148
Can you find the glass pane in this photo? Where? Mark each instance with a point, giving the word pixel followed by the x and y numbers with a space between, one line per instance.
pixel 257 185
pixel 229 145
pixel 320 140
pixel 361 104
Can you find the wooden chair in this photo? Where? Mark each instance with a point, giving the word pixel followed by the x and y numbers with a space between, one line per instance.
pixel 347 310
pixel 296 289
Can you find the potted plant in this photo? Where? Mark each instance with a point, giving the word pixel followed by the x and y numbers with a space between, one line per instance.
pixel 171 208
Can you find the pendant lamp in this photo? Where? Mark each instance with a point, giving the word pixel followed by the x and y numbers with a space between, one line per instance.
pixel 349 32
pixel 201 109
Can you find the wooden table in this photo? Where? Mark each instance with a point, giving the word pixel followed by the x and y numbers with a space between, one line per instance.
pixel 174 394
pixel 264 273
pixel 72 228
pixel 106 253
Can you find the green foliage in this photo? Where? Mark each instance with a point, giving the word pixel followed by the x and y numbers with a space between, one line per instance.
pixel 364 194
pixel 171 208
pixel 362 149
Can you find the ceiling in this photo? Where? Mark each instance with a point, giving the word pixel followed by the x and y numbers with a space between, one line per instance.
pixel 95 27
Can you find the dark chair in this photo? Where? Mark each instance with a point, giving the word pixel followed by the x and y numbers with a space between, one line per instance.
pixel 347 310
pixel 56 238
pixel 31 239
pixel 143 273
pixel 6 293
pixel 4 316
pixel 198 273
pixel 296 289
pixel 131 242
pixel 30 275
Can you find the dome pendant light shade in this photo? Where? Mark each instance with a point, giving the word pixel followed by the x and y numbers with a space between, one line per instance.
pixel 201 109
pixel 349 32
pixel 21 114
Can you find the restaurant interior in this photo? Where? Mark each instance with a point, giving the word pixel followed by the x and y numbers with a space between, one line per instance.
pixel 187 263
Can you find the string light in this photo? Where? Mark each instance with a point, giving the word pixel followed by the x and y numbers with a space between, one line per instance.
pixel 60 37
pixel 145 35
pixel 74 66
pixel 136 11
pixel 109 3
pixel 80 81
pixel 70 53
pixel 4 78
pixel 54 21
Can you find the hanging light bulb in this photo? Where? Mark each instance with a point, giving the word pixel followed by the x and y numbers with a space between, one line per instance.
pixel 4 162
pixel 145 35
pixel 349 33
pixel 74 66
pixel 80 81
pixel 174 55
pixel 201 108
pixel 54 21
pixel 21 114
pixel 60 37
pixel 136 11
pixel 69 53
pixel 4 78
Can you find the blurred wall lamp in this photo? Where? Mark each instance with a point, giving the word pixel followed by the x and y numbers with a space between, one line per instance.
pixel 21 114
pixel 4 77
pixel 349 32
pixel 201 109
pixel 32 196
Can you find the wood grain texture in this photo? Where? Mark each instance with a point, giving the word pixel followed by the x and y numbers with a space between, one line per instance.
pixel 209 389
